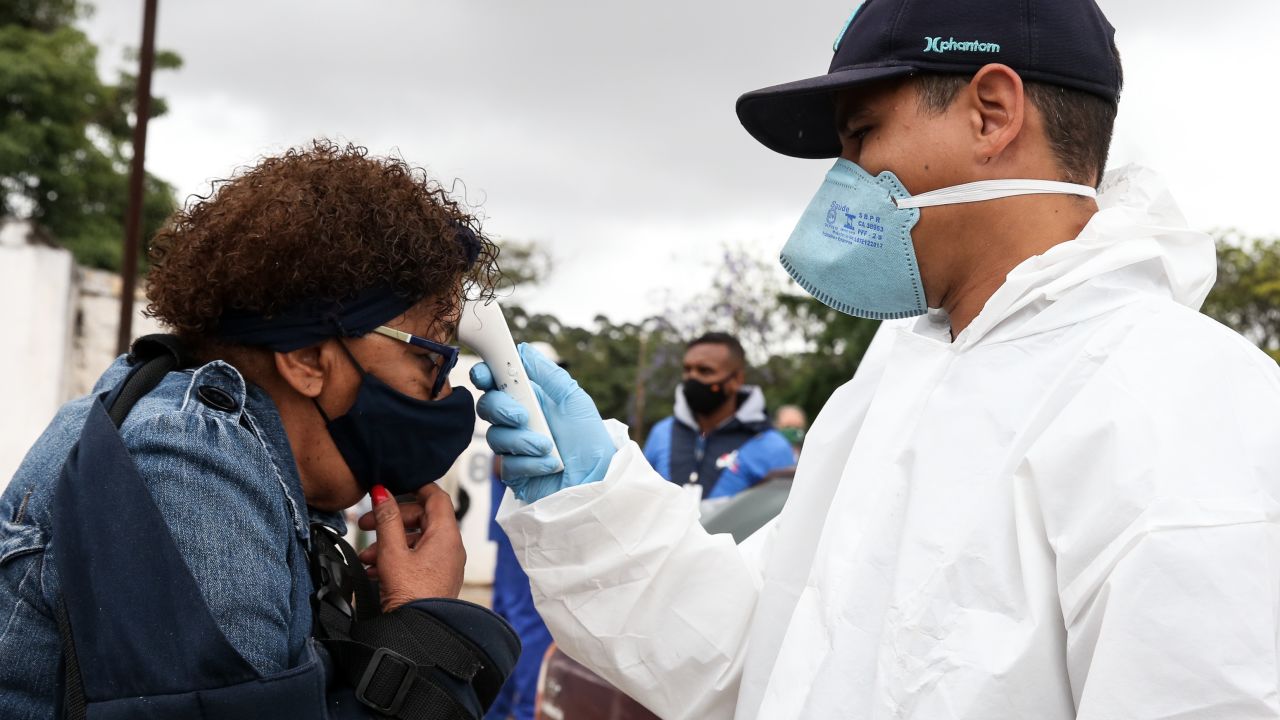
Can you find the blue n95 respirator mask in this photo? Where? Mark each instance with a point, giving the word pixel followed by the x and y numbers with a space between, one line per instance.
pixel 852 248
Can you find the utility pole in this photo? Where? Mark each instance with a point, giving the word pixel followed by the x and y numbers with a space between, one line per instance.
pixel 137 176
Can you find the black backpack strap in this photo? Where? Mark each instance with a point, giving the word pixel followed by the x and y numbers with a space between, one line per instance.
pixel 74 706
pixel 402 663
pixel 407 663
pixel 343 591
pixel 152 357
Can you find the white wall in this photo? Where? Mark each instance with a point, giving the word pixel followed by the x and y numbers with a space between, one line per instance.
pixel 58 324
pixel 98 321
pixel 36 317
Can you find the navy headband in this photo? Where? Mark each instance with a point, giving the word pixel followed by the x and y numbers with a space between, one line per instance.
pixel 315 321
pixel 470 244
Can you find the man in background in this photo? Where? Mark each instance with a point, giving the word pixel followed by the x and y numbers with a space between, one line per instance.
pixel 718 441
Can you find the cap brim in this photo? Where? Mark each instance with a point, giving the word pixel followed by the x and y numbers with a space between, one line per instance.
pixel 798 118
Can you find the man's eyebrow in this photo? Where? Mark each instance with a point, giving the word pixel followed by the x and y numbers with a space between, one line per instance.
pixel 848 114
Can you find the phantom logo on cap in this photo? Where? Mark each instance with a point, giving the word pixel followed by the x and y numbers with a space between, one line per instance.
pixel 1063 43
pixel 836 45
pixel 938 45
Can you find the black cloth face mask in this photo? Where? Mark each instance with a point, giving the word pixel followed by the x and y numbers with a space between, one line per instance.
pixel 397 441
pixel 705 398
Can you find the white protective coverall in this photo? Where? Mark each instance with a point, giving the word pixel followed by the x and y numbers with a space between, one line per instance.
pixel 1071 511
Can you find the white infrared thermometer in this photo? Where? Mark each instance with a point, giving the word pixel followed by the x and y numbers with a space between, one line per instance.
pixel 483 329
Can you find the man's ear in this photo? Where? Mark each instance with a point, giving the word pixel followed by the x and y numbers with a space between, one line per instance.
pixel 305 369
pixel 997 110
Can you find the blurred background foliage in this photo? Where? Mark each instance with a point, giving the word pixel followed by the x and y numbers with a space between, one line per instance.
pixel 800 349
pixel 1246 297
pixel 65 133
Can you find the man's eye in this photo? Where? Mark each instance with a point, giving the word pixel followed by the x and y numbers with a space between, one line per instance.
pixel 859 132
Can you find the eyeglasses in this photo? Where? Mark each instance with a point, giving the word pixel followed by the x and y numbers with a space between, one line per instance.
pixel 447 353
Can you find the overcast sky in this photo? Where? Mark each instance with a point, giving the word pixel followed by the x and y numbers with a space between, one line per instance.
pixel 605 130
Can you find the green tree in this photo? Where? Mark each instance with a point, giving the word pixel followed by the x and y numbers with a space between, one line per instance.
pixel 628 368
pixel 64 133
pixel 801 350
pixel 834 344
pixel 1246 297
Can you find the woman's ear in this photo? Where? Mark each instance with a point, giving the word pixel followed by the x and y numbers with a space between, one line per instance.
pixel 997 106
pixel 305 370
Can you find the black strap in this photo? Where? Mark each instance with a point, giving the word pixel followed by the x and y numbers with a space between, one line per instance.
pixel 389 658
pixel 418 635
pixel 153 357
pixel 368 602
pixel 343 591
pixel 393 684
pixel 73 703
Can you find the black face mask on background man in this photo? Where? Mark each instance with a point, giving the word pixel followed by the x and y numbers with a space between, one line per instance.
pixel 705 398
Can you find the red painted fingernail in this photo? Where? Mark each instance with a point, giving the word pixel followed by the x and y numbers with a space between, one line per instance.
pixel 379 495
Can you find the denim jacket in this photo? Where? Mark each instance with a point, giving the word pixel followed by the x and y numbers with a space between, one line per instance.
pixel 213 453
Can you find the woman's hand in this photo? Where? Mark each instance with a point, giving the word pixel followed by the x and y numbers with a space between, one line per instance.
pixel 419 552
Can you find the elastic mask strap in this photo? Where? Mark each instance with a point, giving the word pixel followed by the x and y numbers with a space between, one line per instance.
pixel 323 414
pixel 992 190
pixel 355 362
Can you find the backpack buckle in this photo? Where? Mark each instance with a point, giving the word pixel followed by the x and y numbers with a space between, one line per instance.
pixel 410 671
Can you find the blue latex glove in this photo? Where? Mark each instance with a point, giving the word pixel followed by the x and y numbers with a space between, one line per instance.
pixel 585 446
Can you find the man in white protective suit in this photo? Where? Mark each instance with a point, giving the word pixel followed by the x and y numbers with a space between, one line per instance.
pixel 1053 492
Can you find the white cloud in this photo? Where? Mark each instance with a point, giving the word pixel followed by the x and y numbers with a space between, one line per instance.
pixel 606 130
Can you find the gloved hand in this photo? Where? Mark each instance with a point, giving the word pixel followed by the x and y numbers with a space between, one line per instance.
pixel 584 444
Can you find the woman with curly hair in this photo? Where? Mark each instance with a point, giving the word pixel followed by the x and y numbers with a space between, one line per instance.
pixel 171 544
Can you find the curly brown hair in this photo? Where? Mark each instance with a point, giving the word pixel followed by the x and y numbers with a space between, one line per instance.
pixel 322 222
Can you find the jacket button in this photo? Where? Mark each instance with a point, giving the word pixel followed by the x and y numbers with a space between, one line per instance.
pixel 216 398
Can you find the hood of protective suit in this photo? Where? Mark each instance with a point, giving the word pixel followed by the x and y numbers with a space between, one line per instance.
pixel 1138 239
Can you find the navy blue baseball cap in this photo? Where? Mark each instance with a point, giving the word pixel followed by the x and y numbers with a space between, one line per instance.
pixel 1068 43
